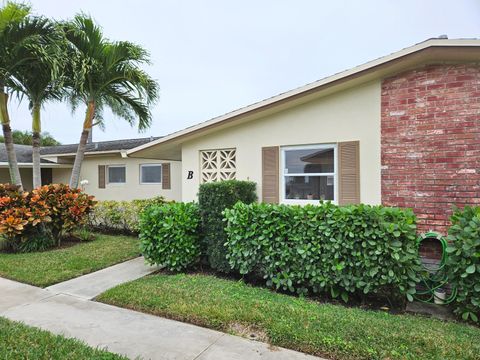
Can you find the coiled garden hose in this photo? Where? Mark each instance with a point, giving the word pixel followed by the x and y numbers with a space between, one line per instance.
pixel 432 279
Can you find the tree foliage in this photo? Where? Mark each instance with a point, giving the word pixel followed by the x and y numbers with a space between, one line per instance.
pixel 25 138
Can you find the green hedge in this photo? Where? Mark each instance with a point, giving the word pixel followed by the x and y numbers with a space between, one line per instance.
pixel 213 199
pixel 121 216
pixel 325 248
pixel 169 235
pixel 463 262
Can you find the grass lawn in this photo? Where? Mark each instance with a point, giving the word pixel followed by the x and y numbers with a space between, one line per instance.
pixel 18 341
pixel 50 267
pixel 333 331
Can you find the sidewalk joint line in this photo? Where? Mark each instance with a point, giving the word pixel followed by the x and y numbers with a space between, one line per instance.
pixel 208 347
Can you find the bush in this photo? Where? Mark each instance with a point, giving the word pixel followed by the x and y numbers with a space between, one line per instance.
pixel 69 208
pixel 213 199
pixel 463 262
pixel 31 221
pixel 121 216
pixel 341 250
pixel 169 235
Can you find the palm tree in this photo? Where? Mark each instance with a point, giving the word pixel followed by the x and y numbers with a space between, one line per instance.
pixel 40 80
pixel 11 15
pixel 106 74
pixel 19 34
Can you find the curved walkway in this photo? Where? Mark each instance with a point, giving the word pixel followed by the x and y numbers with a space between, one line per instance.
pixel 67 309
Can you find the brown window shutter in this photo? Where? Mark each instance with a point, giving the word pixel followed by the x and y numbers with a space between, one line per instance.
pixel 270 174
pixel 349 172
pixel 166 176
pixel 101 176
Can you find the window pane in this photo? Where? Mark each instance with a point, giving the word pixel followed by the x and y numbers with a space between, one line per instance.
pixel 309 161
pixel 309 187
pixel 151 174
pixel 116 174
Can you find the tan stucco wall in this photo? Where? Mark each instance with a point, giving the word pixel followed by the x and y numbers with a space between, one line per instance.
pixel 349 115
pixel 61 176
pixel 132 189
pixel 4 176
pixel 25 174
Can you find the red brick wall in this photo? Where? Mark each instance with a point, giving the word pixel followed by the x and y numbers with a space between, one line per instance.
pixel 431 141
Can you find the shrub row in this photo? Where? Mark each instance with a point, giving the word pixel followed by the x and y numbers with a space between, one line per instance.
pixel 342 250
pixel 347 250
pixel 121 216
pixel 35 220
pixel 463 263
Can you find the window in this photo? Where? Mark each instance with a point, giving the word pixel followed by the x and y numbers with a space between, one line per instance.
pixel 308 173
pixel 150 174
pixel 218 165
pixel 116 174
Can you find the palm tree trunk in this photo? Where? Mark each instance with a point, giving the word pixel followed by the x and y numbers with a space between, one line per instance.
pixel 15 177
pixel 87 127
pixel 36 129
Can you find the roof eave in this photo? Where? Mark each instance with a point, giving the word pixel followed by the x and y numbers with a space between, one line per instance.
pixel 425 52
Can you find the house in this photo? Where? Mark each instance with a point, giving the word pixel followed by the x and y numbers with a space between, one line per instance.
pixel 110 173
pixel 402 130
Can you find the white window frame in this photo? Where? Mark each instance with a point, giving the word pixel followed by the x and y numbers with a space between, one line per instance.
pixel 283 149
pixel 150 165
pixel 108 174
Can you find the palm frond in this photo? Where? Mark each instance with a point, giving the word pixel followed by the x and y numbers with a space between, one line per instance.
pixel 41 78
pixel 109 73
pixel 13 13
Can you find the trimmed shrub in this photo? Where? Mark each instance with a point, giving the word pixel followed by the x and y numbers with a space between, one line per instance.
pixel 121 216
pixel 327 248
pixel 213 199
pixel 463 262
pixel 169 235
pixel 31 221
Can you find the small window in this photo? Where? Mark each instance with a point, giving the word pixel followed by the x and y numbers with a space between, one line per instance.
pixel 150 174
pixel 116 174
pixel 308 173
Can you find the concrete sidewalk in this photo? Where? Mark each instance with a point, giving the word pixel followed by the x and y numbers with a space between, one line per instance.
pixel 65 309
pixel 93 284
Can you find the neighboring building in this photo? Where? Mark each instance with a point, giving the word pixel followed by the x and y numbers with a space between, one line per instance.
pixel 111 174
pixel 402 130
pixel 24 159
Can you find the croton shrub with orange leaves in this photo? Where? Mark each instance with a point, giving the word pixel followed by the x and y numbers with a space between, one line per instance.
pixel 38 219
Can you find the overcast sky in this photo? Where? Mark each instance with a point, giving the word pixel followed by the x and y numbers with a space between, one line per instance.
pixel 214 56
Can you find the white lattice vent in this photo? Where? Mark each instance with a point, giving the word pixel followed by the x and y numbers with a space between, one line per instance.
pixel 218 165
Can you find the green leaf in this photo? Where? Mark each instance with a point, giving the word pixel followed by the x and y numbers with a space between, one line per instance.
pixel 409 297
pixel 473 317
pixel 334 292
pixel 470 269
